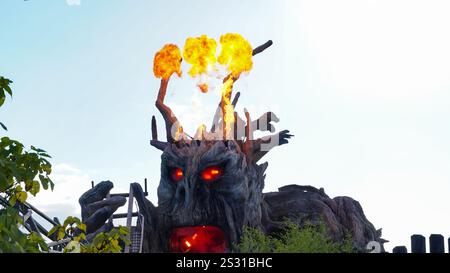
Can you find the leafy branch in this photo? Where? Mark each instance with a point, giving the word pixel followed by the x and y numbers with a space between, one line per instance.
pixel 22 172
pixel 108 242
pixel 12 240
pixel 72 227
pixel 4 88
pixel 104 242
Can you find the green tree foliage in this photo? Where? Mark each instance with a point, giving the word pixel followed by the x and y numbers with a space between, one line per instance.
pixel 293 239
pixel 72 228
pixel 108 242
pixel 21 171
pixel 104 242
pixel 24 172
pixel 12 240
pixel 4 88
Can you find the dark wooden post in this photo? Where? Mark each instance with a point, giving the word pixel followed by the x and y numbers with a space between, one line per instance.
pixel 448 244
pixel 400 249
pixel 437 243
pixel 418 244
pixel 145 186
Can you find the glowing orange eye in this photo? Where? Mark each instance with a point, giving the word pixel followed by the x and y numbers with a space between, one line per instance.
pixel 211 173
pixel 177 174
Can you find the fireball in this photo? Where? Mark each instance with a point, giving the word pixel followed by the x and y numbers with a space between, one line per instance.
pixel 236 53
pixel 167 61
pixel 236 56
pixel 200 52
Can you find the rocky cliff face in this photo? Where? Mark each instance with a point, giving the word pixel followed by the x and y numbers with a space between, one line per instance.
pixel 307 204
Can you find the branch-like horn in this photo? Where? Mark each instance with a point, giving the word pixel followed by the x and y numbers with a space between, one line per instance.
pixel 255 51
pixel 154 129
pixel 262 47
pixel 169 117
pixel 160 145
pixel 155 142
pixel 248 144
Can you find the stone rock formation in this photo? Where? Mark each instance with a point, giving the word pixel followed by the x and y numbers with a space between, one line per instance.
pixel 341 215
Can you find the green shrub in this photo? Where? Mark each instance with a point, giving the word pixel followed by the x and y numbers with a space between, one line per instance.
pixel 293 239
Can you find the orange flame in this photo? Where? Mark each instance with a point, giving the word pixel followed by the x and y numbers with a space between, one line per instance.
pixel 203 87
pixel 167 61
pixel 227 107
pixel 200 52
pixel 236 56
pixel 236 53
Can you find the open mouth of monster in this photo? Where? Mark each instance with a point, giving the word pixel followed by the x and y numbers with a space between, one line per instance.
pixel 198 239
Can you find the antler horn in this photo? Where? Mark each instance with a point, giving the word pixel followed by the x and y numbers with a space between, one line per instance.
pixel 155 142
pixel 169 117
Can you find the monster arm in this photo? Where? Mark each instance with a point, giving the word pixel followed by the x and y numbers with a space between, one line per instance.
pixel 96 210
pixel 261 146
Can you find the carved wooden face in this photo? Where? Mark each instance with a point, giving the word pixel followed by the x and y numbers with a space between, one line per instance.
pixel 210 183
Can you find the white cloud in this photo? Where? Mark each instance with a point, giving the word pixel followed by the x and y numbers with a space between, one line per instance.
pixel 70 184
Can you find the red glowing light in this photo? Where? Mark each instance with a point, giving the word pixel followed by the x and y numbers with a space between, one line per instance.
pixel 177 174
pixel 187 243
pixel 211 173
pixel 198 239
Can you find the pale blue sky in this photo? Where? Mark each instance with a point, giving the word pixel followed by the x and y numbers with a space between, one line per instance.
pixel 363 85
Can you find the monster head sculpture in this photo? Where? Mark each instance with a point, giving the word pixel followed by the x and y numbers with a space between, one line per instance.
pixel 211 185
